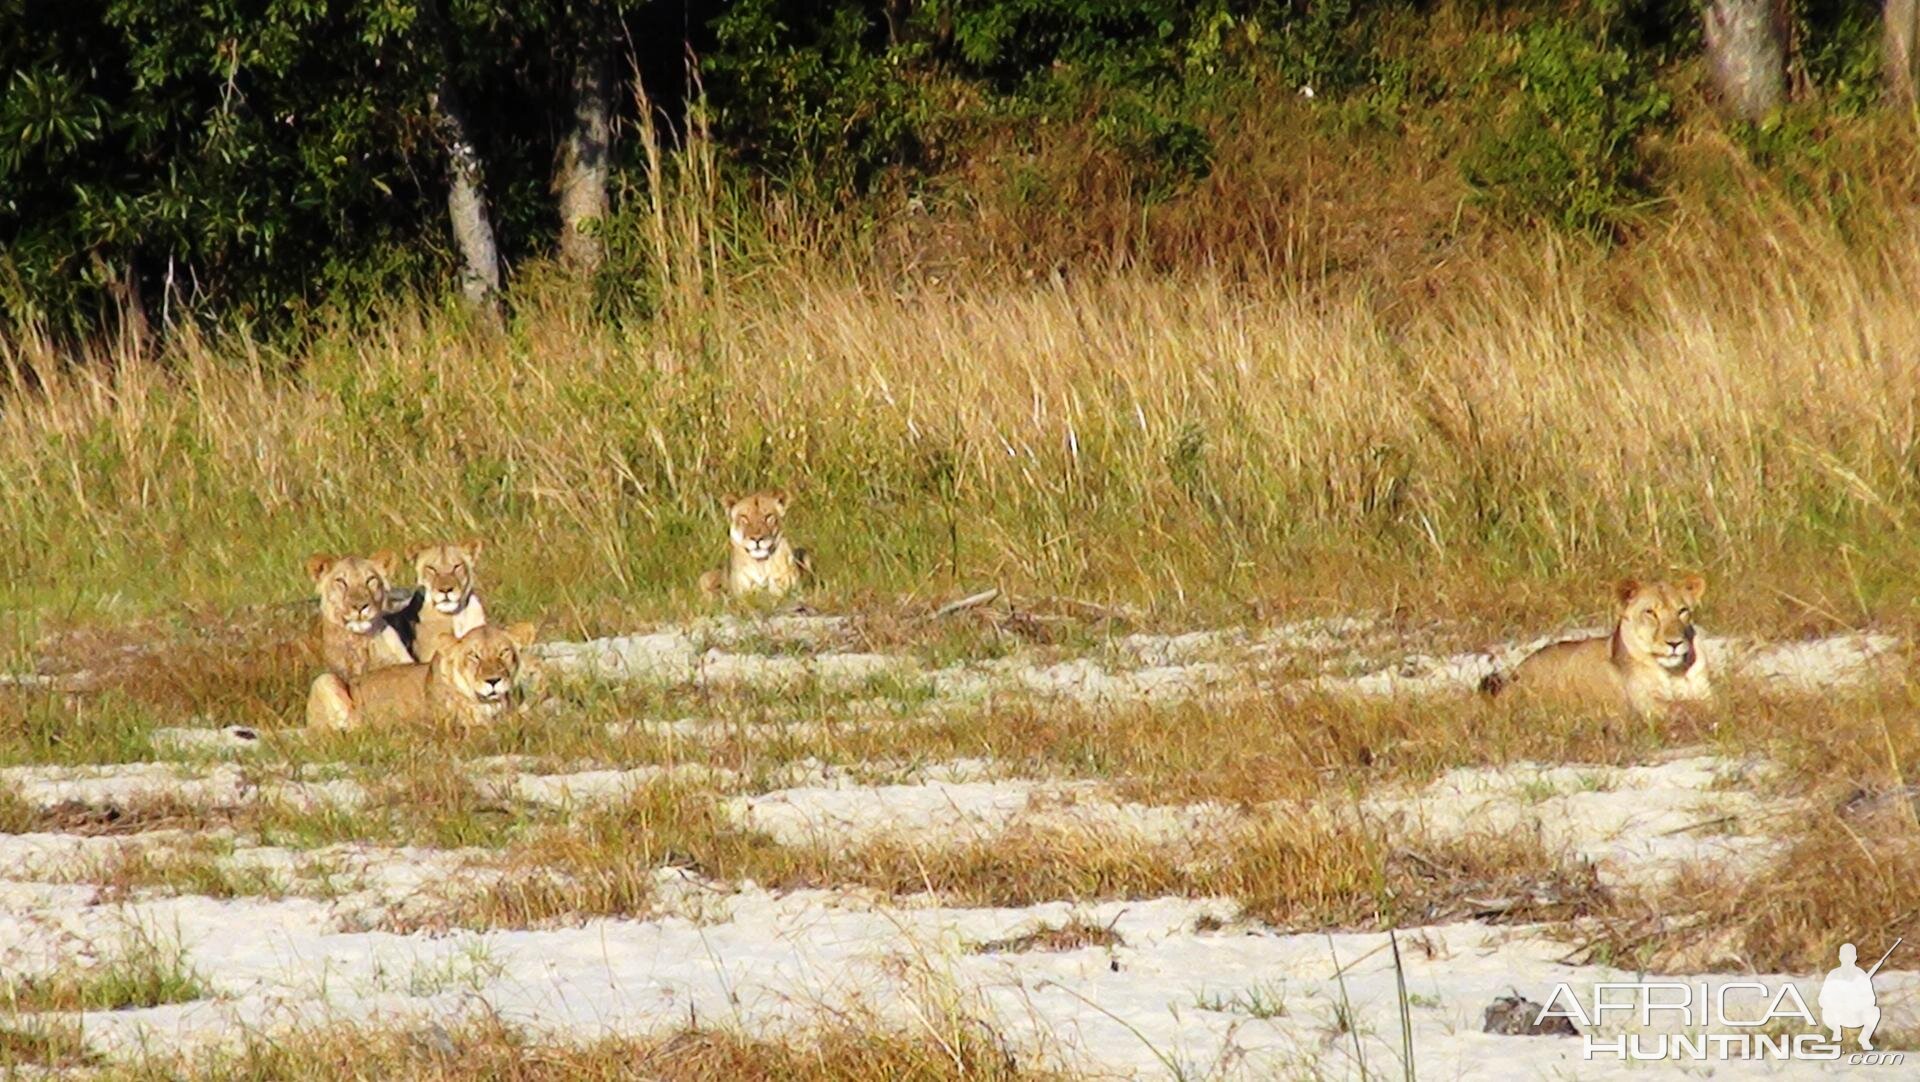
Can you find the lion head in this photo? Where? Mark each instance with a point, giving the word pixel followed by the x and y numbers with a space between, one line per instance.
pixel 484 665
pixel 446 574
pixel 1656 619
pixel 353 589
pixel 754 522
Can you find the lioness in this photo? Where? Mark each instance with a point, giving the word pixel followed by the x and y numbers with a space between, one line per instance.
pixel 1649 661
pixel 355 636
pixel 760 559
pixel 468 683
pixel 448 605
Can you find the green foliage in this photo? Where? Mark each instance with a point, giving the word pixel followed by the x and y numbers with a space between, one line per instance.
pixel 1167 152
pixel 1839 47
pixel 1567 149
pixel 195 155
pixel 1325 50
pixel 819 99
pixel 1014 42
pixel 272 162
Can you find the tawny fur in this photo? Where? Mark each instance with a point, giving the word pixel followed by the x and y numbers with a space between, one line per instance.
pixel 468 684
pixel 355 635
pixel 1646 664
pixel 760 559
pixel 448 605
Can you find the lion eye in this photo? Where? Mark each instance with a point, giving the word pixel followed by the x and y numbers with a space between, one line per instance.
pixel 1685 613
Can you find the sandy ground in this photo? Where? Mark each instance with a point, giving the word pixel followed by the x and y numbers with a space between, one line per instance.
pixel 1190 991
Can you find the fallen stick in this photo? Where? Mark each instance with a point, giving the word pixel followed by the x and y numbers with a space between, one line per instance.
pixel 972 601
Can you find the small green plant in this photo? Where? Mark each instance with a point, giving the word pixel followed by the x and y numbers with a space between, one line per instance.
pixel 1260 1001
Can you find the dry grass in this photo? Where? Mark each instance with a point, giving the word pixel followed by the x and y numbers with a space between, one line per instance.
pixel 195 865
pixel 1188 443
pixel 1842 878
pixel 1298 870
pixel 947 1046
pixel 1074 935
pixel 138 815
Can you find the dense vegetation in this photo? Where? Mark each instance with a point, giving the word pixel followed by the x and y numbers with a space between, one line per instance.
pixel 260 161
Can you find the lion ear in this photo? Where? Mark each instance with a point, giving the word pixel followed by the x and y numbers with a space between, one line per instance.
pixel 384 561
pixel 1695 587
pixel 780 499
pixel 317 565
pixel 1624 590
pixel 474 546
pixel 523 633
pixel 728 501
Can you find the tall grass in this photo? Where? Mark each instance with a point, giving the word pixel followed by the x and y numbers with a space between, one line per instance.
pixel 1739 396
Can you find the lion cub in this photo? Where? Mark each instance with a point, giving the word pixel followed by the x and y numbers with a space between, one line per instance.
pixel 1649 662
pixel 760 559
pixel 448 605
pixel 469 683
pixel 355 636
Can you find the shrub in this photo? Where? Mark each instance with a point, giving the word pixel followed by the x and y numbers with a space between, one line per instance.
pixel 1567 150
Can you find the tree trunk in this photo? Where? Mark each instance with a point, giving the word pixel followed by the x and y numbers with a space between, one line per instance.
pixel 466 175
pixel 1900 49
pixel 580 170
pixel 1747 46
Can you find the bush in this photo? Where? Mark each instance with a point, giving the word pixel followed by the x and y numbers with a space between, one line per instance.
pixel 1164 152
pixel 822 101
pixel 1568 149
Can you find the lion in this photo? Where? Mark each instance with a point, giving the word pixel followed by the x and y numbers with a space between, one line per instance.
pixel 760 558
pixel 447 606
pixel 468 683
pixel 355 601
pixel 1647 663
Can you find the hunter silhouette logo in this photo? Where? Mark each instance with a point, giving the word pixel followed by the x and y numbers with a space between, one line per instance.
pixel 1847 1000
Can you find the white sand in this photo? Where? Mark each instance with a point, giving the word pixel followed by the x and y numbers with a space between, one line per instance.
pixel 778 962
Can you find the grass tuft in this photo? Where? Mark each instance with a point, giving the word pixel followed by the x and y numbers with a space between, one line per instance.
pixel 142 972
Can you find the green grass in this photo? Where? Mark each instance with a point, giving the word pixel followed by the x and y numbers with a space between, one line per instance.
pixel 1260 1001
pixel 142 972
pixel 41 1044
